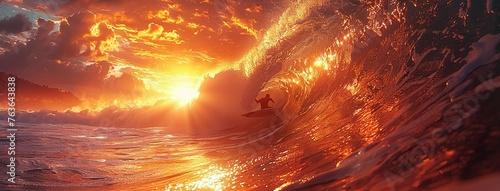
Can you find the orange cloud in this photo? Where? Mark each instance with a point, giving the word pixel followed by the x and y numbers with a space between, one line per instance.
pixel 177 20
pixel 116 17
pixel 13 1
pixel 192 25
pixel 163 14
pixel 153 31
pixel 254 9
pixel 203 14
pixel 109 43
pixel 248 27
pixel 175 7
pixel 123 27
pixel 156 32
pixel 172 37
pixel 121 16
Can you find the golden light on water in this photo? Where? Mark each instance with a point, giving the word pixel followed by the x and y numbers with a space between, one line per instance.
pixel 213 178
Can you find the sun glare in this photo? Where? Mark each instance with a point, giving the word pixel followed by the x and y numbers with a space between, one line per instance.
pixel 184 95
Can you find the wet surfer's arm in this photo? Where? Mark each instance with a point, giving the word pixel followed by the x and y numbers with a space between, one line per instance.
pixel 271 100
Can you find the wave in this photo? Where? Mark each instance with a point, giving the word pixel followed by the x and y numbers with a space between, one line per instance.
pixel 380 82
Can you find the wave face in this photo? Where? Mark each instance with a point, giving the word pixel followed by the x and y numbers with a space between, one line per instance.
pixel 384 94
pixel 373 95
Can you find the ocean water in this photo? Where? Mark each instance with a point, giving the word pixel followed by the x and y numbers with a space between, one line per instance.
pixel 374 95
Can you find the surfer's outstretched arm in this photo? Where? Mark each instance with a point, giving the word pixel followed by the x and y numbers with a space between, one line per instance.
pixel 271 100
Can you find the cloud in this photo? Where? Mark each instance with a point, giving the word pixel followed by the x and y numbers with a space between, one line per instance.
pixel 65 7
pixel 201 13
pixel 247 26
pixel 166 17
pixel 13 1
pixel 161 14
pixel 117 17
pixel 199 25
pixel 172 20
pixel 175 7
pixel 125 84
pixel 172 37
pixel 73 59
pixel 153 31
pixel 44 28
pixel 16 24
pixel 254 9
pixel 192 25
pixel 82 36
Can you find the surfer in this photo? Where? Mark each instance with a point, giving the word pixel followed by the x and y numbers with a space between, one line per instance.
pixel 264 101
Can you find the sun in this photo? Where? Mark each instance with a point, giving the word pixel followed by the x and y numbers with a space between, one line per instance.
pixel 184 95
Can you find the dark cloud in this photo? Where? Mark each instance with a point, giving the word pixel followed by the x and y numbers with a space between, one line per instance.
pixel 71 59
pixel 15 24
pixel 125 84
pixel 57 7
pixel 76 39
pixel 44 27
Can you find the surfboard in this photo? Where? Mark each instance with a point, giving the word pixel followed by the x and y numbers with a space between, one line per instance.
pixel 260 113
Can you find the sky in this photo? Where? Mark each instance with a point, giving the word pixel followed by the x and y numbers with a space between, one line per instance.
pixel 122 52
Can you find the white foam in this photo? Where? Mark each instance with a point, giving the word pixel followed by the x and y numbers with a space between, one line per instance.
pixel 482 52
